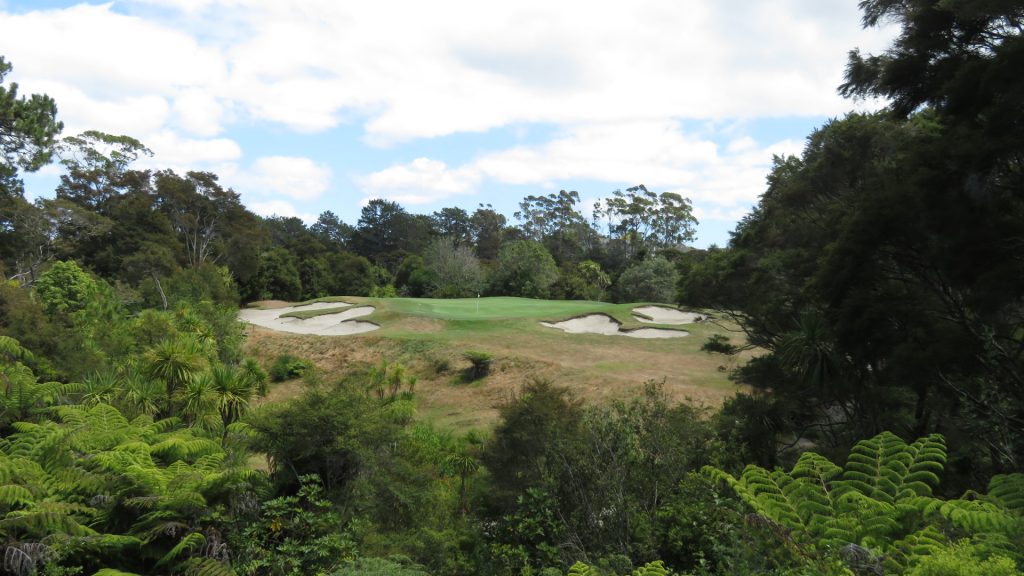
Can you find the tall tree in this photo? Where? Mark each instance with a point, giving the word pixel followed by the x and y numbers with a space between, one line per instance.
pixel 28 132
pixel 200 211
pixel 487 228
pixel 648 220
pixel 454 223
pixel 380 229
pixel 98 168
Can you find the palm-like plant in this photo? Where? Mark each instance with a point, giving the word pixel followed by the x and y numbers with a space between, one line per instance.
pixel 197 399
pixel 137 394
pixel 232 389
pixel 173 362
pixel 99 387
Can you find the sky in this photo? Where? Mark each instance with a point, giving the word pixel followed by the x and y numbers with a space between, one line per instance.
pixel 315 105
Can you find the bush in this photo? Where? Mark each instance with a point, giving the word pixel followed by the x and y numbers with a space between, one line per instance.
pixel 525 268
pixel 652 280
pixel 286 367
pixel 480 364
pixel 719 343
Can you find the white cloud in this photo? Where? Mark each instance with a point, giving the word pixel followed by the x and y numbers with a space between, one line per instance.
pixel 423 69
pixel 80 111
pixel 419 182
pixel 722 184
pixel 289 176
pixel 281 208
pixel 198 112
pixel 173 151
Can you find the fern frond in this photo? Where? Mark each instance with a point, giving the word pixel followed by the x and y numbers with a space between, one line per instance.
pixel 1007 490
pixel 976 516
pixel 184 448
pixel 927 460
pixel 186 546
pixel 15 496
pixel 907 552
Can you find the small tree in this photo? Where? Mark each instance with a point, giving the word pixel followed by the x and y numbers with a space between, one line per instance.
pixel 65 288
pixel 652 280
pixel 525 268
pixel 453 269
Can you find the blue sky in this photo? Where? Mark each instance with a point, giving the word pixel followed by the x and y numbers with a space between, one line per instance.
pixel 321 104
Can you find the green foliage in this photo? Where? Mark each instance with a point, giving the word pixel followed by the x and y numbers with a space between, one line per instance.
pixel 651 280
pixel 286 367
pixel 648 221
pixel 480 364
pixel 277 277
pixel 581 281
pixel 962 559
pixel 65 288
pixel 392 566
pixel 103 490
pixel 28 128
pixel 524 268
pixel 296 535
pixel 720 344
pixel 881 501
pixel 24 397
pixel 453 269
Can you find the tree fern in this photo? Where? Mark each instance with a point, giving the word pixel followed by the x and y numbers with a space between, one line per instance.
pixel 881 501
pixel 1007 490
pixel 83 478
pixel 185 547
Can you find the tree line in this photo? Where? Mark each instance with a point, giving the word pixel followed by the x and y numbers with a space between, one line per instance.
pixel 145 229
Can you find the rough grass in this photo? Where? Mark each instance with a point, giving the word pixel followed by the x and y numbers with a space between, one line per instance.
pixel 424 334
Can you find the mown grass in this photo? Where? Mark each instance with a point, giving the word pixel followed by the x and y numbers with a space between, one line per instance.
pixel 426 333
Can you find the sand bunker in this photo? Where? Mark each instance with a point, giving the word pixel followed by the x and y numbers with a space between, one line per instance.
pixel 603 324
pixel 336 324
pixel 663 315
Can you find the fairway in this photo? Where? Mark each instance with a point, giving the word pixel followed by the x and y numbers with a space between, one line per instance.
pixel 430 336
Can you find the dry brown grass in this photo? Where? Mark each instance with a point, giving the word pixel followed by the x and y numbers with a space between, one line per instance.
pixel 596 368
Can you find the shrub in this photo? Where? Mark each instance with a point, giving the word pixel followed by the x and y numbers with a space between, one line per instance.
pixel 286 367
pixel 652 280
pixel 719 343
pixel 480 364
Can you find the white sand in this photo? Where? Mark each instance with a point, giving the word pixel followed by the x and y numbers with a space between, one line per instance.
pixel 601 324
pixel 337 324
pixel 662 315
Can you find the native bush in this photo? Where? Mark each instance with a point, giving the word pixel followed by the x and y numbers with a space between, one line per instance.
pixel 480 364
pixel 286 367
pixel 880 507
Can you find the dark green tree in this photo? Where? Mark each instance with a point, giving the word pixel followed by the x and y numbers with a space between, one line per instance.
pixel 524 268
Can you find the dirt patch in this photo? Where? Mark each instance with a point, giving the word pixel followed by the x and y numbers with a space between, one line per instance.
pixel 608 326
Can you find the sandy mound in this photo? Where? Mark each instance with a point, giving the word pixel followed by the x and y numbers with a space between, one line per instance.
pixel 337 324
pixel 602 324
pixel 662 315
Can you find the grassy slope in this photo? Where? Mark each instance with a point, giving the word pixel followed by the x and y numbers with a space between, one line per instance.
pixel 425 333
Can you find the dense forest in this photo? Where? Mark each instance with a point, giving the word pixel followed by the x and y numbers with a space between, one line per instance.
pixel 880 427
